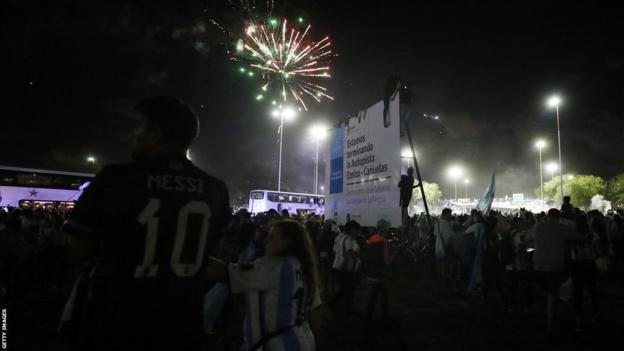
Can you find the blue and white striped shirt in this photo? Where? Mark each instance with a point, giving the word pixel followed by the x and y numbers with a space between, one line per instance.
pixel 274 298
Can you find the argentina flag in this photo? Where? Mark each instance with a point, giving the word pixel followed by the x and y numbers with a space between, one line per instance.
pixel 485 202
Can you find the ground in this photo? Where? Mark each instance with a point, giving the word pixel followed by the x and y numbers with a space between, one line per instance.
pixel 427 314
pixel 433 314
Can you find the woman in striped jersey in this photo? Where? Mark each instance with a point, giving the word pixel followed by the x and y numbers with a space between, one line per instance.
pixel 280 289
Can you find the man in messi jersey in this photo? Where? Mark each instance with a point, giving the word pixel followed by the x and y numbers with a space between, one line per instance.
pixel 145 229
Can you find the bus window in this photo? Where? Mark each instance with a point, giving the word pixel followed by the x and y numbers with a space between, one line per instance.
pixel 34 180
pixel 257 195
pixel 40 179
pixel 273 197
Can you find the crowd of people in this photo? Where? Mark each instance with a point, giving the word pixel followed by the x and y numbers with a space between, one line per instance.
pixel 157 259
pixel 342 258
pixel 32 249
pixel 522 257
pixel 562 254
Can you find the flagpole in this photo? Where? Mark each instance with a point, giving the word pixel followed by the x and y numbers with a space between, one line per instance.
pixel 420 182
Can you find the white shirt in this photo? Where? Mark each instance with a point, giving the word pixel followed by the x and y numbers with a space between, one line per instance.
pixel 342 260
pixel 444 234
pixel 274 298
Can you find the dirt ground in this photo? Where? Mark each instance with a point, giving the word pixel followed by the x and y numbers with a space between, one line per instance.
pixel 426 314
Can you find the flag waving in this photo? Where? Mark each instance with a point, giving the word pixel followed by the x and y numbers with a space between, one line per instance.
pixel 484 205
pixel 485 202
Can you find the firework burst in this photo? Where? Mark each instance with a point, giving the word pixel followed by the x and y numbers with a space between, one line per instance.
pixel 288 62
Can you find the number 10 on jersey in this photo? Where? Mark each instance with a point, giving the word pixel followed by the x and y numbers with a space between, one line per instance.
pixel 148 218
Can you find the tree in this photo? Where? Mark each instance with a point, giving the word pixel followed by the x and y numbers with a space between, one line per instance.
pixel 615 190
pixel 580 188
pixel 432 192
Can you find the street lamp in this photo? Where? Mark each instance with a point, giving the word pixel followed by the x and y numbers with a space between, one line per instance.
pixel 318 133
pixel 552 167
pixel 455 172
pixel 406 154
pixel 554 101
pixel 540 144
pixel 283 113
pixel 466 182
pixel 91 160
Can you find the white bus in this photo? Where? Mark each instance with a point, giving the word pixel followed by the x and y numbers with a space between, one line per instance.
pixel 295 203
pixel 25 187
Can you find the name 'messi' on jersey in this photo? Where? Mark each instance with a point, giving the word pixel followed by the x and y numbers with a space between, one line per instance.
pixel 175 183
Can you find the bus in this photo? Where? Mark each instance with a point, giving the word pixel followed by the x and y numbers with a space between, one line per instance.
pixel 295 203
pixel 28 187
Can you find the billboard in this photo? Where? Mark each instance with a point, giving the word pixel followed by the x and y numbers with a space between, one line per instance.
pixel 364 167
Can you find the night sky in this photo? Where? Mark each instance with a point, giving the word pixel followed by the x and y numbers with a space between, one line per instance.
pixel 75 68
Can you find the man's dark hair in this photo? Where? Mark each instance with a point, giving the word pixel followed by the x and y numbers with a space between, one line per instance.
pixel 352 225
pixel 447 211
pixel 490 223
pixel 175 119
pixel 566 199
pixel 553 213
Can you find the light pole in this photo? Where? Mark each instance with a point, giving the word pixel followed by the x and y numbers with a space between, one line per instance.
pixel 91 162
pixel 540 144
pixel 406 154
pixel 554 101
pixel 466 182
pixel 552 167
pixel 318 133
pixel 286 113
pixel 455 172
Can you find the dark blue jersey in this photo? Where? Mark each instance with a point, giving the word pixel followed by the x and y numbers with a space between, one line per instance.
pixel 154 222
